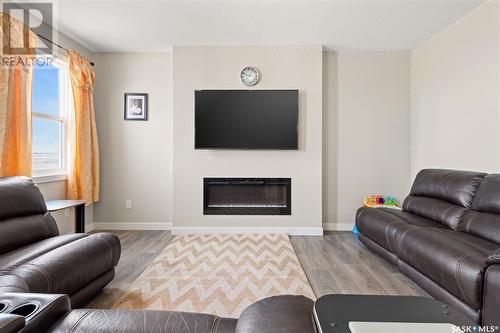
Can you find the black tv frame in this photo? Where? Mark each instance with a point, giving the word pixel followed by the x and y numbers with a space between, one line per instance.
pixel 264 148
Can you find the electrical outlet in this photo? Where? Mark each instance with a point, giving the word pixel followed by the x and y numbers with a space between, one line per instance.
pixel 128 204
pixel 66 212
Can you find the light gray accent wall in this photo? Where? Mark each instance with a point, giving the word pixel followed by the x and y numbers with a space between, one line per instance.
pixel 366 131
pixel 456 95
pixel 218 68
pixel 135 156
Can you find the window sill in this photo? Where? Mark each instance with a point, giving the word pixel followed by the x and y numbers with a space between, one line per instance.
pixel 41 179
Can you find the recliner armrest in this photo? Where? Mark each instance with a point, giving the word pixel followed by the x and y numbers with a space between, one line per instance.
pixel 11 323
pixel 491 296
pixel 494 258
pixel 278 314
pixel 39 311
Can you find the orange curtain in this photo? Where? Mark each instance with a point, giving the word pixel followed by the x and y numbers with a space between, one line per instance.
pixel 83 176
pixel 16 74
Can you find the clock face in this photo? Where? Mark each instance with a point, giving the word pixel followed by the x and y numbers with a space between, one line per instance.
pixel 249 76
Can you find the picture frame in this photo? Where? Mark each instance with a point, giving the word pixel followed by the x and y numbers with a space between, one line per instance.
pixel 135 106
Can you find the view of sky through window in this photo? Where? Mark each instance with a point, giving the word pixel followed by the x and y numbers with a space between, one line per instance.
pixel 46 132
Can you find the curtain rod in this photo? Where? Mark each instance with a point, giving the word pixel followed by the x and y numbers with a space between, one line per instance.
pixel 59 46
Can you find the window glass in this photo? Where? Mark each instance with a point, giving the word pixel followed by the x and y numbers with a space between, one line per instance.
pixel 45 95
pixel 48 120
pixel 47 144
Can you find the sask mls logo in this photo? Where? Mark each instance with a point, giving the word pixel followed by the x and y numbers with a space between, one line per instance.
pixel 475 329
pixel 37 17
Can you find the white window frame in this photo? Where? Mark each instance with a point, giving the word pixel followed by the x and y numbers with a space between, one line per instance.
pixel 48 175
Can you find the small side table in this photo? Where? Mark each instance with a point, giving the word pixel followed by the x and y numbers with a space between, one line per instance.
pixel 55 205
pixel 332 313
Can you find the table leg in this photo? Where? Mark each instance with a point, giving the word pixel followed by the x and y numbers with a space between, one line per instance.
pixel 80 218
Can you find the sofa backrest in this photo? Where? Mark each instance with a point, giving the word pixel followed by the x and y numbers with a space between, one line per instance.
pixel 443 195
pixel 23 215
pixel 483 220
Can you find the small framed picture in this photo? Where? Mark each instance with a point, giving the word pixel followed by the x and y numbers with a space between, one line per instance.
pixel 136 106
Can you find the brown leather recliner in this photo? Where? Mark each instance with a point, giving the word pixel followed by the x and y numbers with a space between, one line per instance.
pixel 446 238
pixel 35 258
pixel 279 314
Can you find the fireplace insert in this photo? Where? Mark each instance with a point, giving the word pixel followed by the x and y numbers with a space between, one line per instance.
pixel 247 196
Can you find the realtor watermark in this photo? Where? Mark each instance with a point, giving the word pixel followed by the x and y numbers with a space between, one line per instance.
pixel 20 50
pixel 475 329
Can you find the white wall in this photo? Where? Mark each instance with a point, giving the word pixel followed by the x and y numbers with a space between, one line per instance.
pixel 455 95
pixel 135 156
pixel 368 131
pixel 219 68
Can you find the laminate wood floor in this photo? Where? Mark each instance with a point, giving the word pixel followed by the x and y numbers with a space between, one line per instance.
pixel 334 263
pixel 139 248
pixel 338 263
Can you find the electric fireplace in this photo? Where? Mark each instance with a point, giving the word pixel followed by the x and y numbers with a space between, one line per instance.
pixel 247 196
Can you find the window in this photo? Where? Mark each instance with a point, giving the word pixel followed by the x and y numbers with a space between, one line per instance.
pixel 49 119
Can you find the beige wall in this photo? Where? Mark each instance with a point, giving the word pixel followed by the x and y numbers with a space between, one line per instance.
pixel 135 156
pixel 366 131
pixel 219 68
pixel 330 139
pixel 331 172
pixel 455 95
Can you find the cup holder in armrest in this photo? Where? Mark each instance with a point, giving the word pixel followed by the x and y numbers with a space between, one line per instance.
pixel 25 310
pixel 2 306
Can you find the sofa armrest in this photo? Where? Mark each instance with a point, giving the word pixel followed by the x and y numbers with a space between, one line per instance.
pixel 494 258
pixel 11 323
pixel 112 321
pixel 278 314
pixel 39 311
pixel 491 296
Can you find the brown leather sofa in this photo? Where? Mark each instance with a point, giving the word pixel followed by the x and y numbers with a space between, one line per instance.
pixel 280 314
pixel 446 238
pixel 35 258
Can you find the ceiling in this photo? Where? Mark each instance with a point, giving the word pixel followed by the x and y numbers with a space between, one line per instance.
pixel 155 26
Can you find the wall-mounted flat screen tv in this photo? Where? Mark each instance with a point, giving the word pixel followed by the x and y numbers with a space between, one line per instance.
pixel 246 119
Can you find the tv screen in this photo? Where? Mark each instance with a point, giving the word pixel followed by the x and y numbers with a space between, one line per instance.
pixel 246 119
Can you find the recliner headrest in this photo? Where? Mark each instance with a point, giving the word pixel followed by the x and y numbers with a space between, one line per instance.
pixel 19 196
pixel 453 186
pixel 488 195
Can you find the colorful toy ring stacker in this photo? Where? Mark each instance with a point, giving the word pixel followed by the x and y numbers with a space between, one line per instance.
pixel 379 201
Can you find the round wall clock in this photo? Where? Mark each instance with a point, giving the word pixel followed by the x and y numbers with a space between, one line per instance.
pixel 249 76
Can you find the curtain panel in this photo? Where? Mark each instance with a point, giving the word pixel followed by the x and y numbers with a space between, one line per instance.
pixel 83 175
pixel 16 72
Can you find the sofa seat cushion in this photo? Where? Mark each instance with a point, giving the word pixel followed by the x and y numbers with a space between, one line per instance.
pixel 69 268
pixel 454 260
pixel 12 259
pixel 382 225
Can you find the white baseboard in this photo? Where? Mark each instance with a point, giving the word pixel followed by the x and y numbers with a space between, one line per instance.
pixel 130 226
pixel 246 231
pixel 338 226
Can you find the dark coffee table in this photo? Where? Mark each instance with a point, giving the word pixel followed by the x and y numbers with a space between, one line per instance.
pixel 332 313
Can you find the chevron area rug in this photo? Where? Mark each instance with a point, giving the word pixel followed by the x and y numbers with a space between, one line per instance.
pixel 218 274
